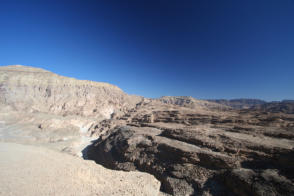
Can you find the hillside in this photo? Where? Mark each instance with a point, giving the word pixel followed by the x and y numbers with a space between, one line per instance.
pixel 193 147
pixel 239 103
pixel 29 89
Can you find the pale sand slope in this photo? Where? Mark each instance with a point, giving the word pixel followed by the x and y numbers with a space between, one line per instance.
pixel 31 170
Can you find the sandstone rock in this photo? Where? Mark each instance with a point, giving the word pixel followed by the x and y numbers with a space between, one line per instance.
pixel 192 151
pixel 31 89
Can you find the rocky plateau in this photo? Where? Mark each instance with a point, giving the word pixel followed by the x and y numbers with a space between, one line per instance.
pixel 192 147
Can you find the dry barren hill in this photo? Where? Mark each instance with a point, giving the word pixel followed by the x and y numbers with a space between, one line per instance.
pixel 30 89
pixel 239 103
pixel 190 102
pixel 50 113
pixel 286 106
pixel 50 108
pixel 193 147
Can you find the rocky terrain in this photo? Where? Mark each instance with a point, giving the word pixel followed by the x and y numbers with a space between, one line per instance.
pixel 55 108
pixel 201 151
pixel 49 115
pixel 239 103
pixel 193 147
pixel 29 89
pixel 286 106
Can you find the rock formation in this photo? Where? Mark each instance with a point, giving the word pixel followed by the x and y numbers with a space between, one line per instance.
pixel 29 89
pixel 193 147
pixel 202 152
pixel 239 103
pixel 286 106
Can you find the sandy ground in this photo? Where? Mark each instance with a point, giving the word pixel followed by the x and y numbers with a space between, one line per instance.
pixel 61 135
pixel 35 161
pixel 31 170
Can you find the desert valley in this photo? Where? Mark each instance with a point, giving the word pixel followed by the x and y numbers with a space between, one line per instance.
pixel 62 136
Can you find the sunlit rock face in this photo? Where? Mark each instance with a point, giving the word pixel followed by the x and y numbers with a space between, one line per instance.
pixel 198 149
pixel 193 147
pixel 29 89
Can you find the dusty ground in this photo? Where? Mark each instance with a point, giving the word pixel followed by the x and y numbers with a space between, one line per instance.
pixel 30 170
pixel 47 161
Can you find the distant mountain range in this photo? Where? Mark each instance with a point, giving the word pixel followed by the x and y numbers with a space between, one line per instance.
pixel 239 103
pixel 286 106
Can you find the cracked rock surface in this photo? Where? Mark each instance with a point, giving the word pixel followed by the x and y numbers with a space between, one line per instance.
pixel 202 152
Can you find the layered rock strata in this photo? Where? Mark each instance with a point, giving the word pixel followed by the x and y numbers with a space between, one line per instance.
pixel 197 152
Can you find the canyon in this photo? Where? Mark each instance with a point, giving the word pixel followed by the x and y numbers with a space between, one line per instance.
pixel 174 145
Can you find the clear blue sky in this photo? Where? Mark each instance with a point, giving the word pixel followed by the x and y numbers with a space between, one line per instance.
pixel 205 49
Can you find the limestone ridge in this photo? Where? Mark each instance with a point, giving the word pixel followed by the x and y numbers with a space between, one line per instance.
pixel 190 102
pixel 194 147
pixel 29 89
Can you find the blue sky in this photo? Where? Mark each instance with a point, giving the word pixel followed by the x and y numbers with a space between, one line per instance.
pixel 205 49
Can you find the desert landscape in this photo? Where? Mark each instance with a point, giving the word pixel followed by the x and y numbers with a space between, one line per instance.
pixel 63 136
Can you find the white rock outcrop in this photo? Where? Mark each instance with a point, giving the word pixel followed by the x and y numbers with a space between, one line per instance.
pixel 29 89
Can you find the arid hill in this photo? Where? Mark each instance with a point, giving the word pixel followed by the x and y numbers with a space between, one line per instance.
pixel 239 103
pixel 286 106
pixel 29 89
pixel 193 147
